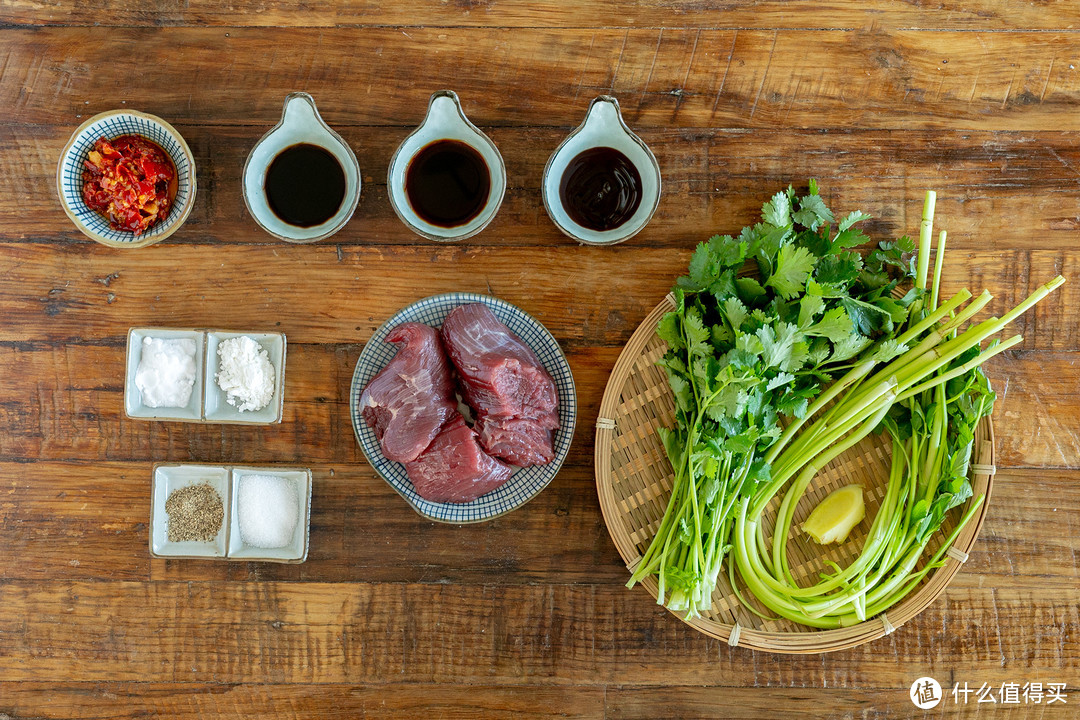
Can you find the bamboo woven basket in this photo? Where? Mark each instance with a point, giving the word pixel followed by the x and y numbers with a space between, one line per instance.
pixel 633 479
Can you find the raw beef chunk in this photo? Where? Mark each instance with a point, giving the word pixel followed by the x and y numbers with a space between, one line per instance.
pixel 408 403
pixel 455 468
pixel 514 398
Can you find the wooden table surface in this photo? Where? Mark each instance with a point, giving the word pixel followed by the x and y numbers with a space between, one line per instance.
pixel 524 616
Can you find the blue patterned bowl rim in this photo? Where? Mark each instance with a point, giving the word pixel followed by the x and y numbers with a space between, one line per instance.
pixel 112 124
pixel 526 483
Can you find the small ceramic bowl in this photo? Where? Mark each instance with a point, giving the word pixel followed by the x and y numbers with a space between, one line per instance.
pixel 300 123
pixel 216 407
pixel 297 549
pixel 110 125
pixel 603 127
pixel 445 120
pixel 170 478
pixel 133 403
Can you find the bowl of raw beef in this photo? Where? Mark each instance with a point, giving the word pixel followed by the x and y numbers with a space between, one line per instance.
pixel 465 405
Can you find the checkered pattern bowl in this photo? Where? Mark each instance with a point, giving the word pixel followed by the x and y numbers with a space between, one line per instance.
pixel 110 125
pixel 525 483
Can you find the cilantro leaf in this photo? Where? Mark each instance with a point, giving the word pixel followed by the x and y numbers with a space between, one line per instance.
pixel 809 307
pixel 849 347
pixel 729 403
pixel 848 239
pixel 748 350
pixel 748 289
pixel 727 252
pixel 669 331
pixel 840 270
pixel 835 325
pixel 680 387
pixel 723 285
pixel 782 347
pixel 852 218
pixel 793 404
pixel 812 212
pixel 778 210
pixel 735 312
pixel 779 381
pixel 697 335
pixel 701 266
pixel 868 319
pixel 793 266
pixel 819 351
pixel 888 350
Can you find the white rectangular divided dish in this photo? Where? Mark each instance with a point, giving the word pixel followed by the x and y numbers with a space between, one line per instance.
pixel 216 407
pixel 170 478
pixel 208 402
pixel 229 543
pixel 296 550
pixel 133 403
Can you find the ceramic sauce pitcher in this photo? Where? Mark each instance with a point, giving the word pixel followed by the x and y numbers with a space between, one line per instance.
pixel 300 127
pixel 447 179
pixel 601 186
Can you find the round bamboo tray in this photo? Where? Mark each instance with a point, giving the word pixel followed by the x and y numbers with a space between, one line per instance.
pixel 633 480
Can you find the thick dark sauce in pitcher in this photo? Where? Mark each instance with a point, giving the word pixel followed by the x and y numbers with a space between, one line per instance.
pixel 305 185
pixel 600 189
pixel 447 183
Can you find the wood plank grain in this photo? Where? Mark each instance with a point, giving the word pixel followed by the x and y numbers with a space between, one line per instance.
pixel 677 78
pixel 197 701
pixel 586 296
pixel 996 190
pixel 280 632
pixel 982 15
pixel 65 403
pixel 832 703
pixel 1035 414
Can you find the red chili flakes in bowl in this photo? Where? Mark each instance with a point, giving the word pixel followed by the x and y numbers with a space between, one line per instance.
pixel 131 181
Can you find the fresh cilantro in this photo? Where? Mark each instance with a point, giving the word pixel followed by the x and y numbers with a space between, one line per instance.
pixel 838 270
pixel 745 350
pixel 852 218
pixel 735 312
pixel 812 212
pixel 778 210
pixel 793 266
pixel 835 325
pixel 809 307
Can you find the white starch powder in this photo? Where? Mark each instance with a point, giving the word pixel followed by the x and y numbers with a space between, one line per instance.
pixel 268 510
pixel 246 375
pixel 166 372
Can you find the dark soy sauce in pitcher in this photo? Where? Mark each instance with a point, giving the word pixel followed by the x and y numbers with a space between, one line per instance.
pixel 600 189
pixel 447 183
pixel 305 185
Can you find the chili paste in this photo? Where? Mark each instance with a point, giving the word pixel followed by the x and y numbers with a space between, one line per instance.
pixel 130 180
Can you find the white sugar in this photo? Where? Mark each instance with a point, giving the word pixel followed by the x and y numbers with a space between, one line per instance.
pixel 268 510
pixel 166 372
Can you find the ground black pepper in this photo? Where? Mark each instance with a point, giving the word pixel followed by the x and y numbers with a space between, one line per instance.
pixel 195 513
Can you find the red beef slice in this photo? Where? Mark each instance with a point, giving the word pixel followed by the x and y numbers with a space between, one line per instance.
pixel 455 468
pixel 408 403
pixel 514 398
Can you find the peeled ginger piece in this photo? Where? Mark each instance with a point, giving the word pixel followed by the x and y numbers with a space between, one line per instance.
pixel 833 518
